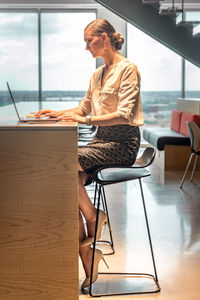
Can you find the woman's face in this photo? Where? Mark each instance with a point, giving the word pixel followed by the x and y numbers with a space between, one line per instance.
pixel 95 44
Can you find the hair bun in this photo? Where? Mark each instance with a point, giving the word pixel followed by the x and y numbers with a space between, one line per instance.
pixel 117 40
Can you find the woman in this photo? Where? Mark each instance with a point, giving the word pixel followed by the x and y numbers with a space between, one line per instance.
pixel 114 102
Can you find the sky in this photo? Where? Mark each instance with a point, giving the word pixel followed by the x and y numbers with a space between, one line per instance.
pixel 66 65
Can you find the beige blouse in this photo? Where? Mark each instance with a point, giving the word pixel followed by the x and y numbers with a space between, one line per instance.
pixel 120 92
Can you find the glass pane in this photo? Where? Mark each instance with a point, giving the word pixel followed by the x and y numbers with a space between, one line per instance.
pixel 18 56
pixel 196 31
pixel 160 70
pixel 66 65
pixel 192 80
pixel 188 16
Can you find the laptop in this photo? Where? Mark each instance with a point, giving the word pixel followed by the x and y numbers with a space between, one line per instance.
pixel 31 119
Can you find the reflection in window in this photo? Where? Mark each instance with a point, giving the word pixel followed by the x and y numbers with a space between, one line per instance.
pixel 160 70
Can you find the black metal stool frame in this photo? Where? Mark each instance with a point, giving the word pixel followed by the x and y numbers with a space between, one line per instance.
pixel 151 276
pixel 143 161
pixel 105 208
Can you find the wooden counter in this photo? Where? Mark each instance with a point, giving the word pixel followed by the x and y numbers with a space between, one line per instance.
pixel 38 211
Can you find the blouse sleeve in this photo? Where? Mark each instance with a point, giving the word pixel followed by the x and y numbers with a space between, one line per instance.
pixel 129 93
pixel 85 104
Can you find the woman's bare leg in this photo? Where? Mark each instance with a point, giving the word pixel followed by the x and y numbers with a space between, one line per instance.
pixel 82 233
pixel 85 252
pixel 88 210
pixel 85 205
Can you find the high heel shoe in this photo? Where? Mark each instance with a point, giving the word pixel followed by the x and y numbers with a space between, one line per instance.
pixel 98 256
pixel 102 219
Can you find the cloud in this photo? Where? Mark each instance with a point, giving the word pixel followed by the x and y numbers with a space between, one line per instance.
pixel 17 24
pixel 66 64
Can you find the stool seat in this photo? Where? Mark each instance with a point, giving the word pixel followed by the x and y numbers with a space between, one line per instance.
pixel 116 175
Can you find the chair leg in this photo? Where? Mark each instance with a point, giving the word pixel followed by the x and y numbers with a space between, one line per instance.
pixel 186 170
pixel 102 199
pixel 194 167
pixel 133 275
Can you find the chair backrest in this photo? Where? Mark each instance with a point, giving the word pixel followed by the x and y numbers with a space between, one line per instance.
pixel 194 131
pixel 146 159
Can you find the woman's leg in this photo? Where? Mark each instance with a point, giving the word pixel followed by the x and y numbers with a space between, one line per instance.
pixel 86 209
pixel 89 212
pixel 85 252
pixel 85 205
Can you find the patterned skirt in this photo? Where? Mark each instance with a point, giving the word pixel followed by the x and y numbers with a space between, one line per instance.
pixel 112 145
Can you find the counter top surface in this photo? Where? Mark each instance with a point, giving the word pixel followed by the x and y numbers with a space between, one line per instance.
pixel 11 124
pixel 9 120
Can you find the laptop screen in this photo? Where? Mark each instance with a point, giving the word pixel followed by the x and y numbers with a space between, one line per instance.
pixel 11 96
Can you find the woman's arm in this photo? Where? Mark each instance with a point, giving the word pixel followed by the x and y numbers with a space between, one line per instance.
pixel 108 120
pixel 103 120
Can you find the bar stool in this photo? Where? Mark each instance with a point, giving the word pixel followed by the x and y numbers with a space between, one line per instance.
pixel 143 161
pixel 112 175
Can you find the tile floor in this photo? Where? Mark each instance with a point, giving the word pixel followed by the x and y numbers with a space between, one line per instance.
pixel 174 219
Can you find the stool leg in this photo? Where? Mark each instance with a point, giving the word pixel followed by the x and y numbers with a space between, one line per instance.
pixel 103 199
pixel 108 218
pixel 105 208
pixel 95 193
pixel 95 234
pixel 148 230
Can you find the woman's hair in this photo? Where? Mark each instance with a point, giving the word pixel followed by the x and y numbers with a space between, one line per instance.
pixel 100 26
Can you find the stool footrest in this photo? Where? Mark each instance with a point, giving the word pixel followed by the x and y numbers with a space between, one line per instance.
pixel 135 275
pixel 107 242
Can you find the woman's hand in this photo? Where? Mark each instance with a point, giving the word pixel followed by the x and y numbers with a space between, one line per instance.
pixel 72 116
pixel 54 113
pixel 41 112
pixel 48 113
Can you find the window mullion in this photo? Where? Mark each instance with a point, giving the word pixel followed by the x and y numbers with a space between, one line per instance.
pixel 39 61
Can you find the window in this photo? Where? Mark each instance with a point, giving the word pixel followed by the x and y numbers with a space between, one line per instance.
pixel 66 65
pixel 19 53
pixel 160 70
pixel 192 80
